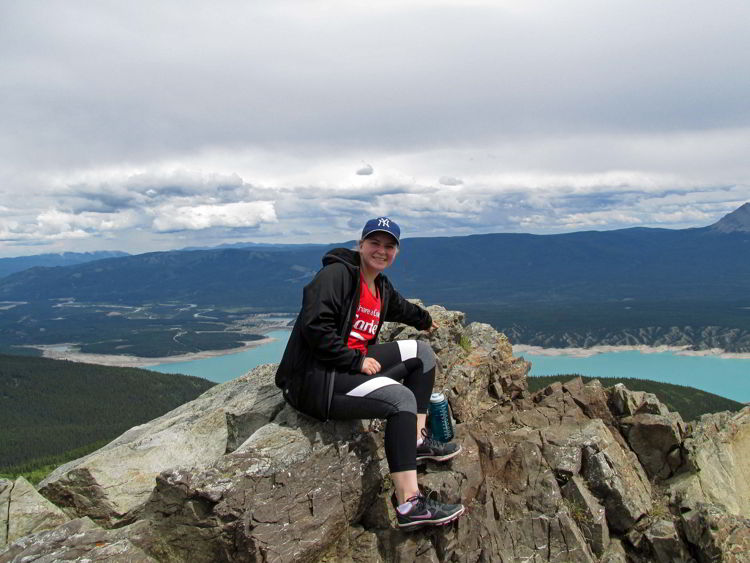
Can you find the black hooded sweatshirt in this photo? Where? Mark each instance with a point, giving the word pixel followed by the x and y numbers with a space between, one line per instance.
pixel 317 351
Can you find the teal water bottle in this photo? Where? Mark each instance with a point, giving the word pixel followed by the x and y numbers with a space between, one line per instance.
pixel 441 425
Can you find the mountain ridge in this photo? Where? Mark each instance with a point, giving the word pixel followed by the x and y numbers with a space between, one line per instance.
pixel 602 265
pixel 736 221
pixel 54 259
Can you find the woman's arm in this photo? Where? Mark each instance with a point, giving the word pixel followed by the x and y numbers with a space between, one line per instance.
pixel 402 311
pixel 325 308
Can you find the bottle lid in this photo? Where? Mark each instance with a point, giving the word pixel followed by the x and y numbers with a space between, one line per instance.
pixel 437 398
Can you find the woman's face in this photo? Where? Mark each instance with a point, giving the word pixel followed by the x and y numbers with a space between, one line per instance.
pixel 378 251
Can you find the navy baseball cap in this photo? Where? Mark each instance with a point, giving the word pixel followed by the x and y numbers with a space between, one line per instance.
pixel 383 225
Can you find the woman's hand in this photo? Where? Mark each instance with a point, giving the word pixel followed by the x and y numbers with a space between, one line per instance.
pixel 370 366
pixel 434 327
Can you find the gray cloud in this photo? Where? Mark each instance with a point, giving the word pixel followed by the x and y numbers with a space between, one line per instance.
pixel 366 170
pixel 450 181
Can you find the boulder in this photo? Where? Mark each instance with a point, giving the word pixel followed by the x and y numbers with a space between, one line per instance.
pixel 6 487
pixel 592 398
pixel 271 501
pixel 665 543
pixel 588 513
pixel 515 508
pixel 82 540
pixel 615 553
pixel 24 511
pixel 656 440
pixel 119 477
pixel 614 475
pixel 716 535
pixel 717 455
pixel 625 402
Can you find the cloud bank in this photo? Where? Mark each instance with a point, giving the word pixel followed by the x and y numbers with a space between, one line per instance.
pixel 143 126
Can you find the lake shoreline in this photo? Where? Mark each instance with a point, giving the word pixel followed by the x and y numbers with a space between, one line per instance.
pixel 122 360
pixel 520 349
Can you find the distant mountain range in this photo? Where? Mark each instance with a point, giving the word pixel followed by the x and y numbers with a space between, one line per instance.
pixel 12 265
pixel 257 246
pixel 629 264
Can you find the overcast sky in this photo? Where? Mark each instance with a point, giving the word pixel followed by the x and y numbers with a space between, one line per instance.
pixel 144 126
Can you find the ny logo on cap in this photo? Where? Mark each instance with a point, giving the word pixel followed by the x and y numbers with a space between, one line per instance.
pixel 383 222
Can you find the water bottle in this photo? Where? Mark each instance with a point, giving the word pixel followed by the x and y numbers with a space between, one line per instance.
pixel 441 425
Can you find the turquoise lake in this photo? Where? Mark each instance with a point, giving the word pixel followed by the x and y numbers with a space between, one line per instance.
pixel 727 377
pixel 722 376
pixel 232 365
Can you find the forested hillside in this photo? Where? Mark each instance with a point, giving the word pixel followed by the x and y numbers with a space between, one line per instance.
pixel 48 407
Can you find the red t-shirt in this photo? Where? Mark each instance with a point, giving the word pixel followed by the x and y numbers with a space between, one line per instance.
pixel 366 319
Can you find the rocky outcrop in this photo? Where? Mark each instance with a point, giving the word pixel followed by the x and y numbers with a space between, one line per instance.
pixel 120 476
pixel 24 511
pixel 574 472
pixel 717 457
pixel 716 535
pixel 82 540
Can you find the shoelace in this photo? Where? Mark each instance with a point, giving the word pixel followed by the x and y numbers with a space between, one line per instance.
pixel 423 502
pixel 431 443
pixel 418 501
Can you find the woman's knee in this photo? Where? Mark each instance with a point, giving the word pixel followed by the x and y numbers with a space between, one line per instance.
pixel 402 398
pixel 426 354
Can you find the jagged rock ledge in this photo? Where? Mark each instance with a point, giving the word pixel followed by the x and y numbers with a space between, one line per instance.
pixel 573 472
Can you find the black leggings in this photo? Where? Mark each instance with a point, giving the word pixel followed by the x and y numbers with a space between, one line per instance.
pixel 357 396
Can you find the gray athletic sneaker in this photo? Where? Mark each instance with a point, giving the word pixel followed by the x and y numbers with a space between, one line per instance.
pixel 420 511
pixel 435 449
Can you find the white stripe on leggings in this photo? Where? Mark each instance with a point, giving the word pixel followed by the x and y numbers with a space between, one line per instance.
pixel 408 349
pixel 371 385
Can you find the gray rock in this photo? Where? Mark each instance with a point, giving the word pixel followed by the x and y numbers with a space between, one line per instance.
pixel 292 513
pixel 120 476
pixel 625 402
pixel 716 535
pixel 653 437
pixel 717 454
pixel 24 511
pixel 5 488
pixel 588 514
pixel 614 475
pixel 665 543
pixel 652 405
pixel 82 540
pixel 592 399
pixel 615 553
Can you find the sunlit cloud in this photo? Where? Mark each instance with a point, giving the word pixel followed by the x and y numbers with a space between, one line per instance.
pixel 191 218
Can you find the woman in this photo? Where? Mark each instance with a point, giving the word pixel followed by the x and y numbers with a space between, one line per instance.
pixel 332 368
